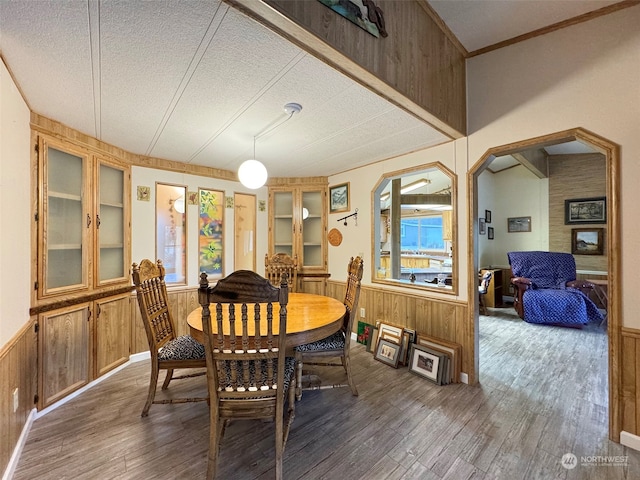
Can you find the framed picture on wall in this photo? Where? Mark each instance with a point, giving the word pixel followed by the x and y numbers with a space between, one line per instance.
pixel 490 233
pixel 519 224
pixel 587 241
pixel 339 198
pixel 487 216
pixel 585 210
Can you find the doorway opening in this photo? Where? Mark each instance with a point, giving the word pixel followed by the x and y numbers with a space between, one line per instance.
pixel 531 155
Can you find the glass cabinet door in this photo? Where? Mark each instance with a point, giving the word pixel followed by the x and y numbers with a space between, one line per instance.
pixel 110 223
pixel 65 224
pixel 283 223
pixel 312 229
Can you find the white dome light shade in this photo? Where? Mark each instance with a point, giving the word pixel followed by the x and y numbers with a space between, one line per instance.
pixel 252 174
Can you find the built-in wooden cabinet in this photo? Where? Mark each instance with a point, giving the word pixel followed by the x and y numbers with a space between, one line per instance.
pixel 81 264
pixel 297 224
pixel 79 343
pixel 64 352
pixel 112 333
pixel 83 220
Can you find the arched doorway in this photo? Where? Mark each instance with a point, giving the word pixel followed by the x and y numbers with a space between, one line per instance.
pixel 612 245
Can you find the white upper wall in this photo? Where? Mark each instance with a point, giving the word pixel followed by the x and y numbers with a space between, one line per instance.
pixel 582 76
pixel 143 240
pixel 515 192
pixel 15 208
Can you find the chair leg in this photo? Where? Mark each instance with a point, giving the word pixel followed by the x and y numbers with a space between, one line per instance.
pixel 167 379
pixel 215 432
pixel 483 307
pixel 346 361
pixel 153 381
pixel 298 389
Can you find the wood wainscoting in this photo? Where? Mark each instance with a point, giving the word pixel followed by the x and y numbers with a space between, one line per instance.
pixel 443 319
pixel 630 379
pixel 18 369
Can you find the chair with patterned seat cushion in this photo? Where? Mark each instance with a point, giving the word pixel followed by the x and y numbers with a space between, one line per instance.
pixel 168 350
pixel 338 344
pixel 248 373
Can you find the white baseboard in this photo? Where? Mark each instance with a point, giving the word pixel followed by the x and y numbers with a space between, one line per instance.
pixel 17 451
pixel 630 440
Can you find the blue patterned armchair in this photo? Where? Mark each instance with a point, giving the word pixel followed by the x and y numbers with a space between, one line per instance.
pixel 547 291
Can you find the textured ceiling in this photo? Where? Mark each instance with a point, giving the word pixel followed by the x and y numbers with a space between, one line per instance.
pixel 196 81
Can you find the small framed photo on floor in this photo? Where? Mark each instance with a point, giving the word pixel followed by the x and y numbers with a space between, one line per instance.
pixel 388 352
pixel 427 363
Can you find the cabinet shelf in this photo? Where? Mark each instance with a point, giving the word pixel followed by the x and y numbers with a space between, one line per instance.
pixel 112 205
pixel 64 246
pixel 64 196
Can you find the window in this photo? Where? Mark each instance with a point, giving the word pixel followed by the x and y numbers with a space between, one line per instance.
pixel 171 235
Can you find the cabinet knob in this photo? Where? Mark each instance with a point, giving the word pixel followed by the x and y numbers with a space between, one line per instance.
pixel 88 220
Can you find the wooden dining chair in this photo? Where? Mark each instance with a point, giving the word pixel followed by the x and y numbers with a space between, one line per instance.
pixel 168 350
pixel 338 344
pixel 248 373
pixel 279 263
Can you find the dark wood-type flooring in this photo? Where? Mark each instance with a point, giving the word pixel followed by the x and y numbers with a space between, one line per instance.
pixel 542 394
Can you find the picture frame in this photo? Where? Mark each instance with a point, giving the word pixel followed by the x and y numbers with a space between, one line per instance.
pixel 587 241
pixel 518 224
pixel 482 228
pixel 406 345
pixel 371 343
pixel 487 216
pixel 427 363
pixel 585 211
pixel 454 350
pixel 339 198
pixel 388 330
pixel 490 234
pixel 364 332
pixel 388 352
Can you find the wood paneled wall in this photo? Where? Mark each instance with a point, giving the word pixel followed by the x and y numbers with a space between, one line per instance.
pixel 438 318
pixel 630 377
pixel 575 176
pixel 18 369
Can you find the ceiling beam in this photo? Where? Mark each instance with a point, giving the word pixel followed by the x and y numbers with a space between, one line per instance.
pixel 534 160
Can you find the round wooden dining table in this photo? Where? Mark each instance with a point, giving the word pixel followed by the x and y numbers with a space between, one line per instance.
pixel 310 318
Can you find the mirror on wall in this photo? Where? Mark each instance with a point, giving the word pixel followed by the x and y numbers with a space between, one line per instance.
pixel 414 233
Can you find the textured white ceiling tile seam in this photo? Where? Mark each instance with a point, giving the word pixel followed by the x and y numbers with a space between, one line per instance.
pixel 204 44
pixel 93 18
pixel 268 85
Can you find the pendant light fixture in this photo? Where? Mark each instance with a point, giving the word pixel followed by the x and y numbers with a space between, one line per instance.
pixel 252 173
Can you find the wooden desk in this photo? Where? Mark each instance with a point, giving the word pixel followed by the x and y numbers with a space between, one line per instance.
pixel 309 318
